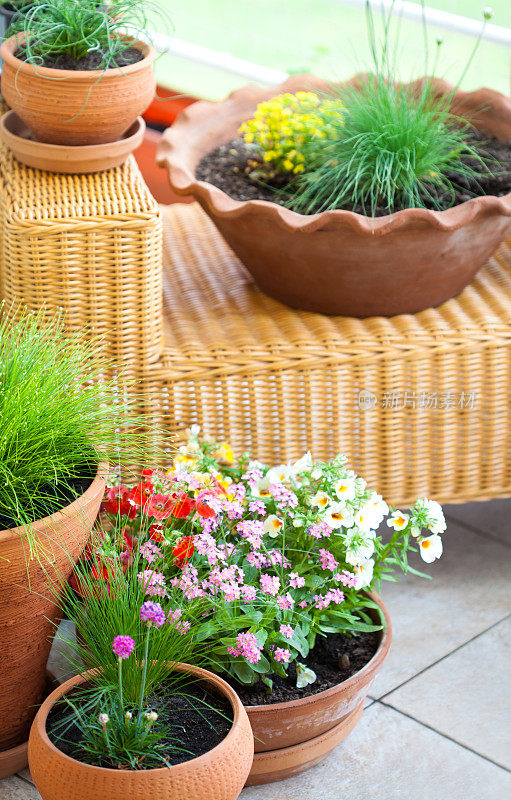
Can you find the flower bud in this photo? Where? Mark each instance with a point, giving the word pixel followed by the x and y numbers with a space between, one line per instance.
pixel 488 13
pixel 103 719
pixel 129 716
pixel 151 716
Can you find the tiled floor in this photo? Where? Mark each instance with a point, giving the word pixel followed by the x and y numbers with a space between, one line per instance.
pixel 438 726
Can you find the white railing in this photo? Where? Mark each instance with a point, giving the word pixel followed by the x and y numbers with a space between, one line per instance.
pixel 268 76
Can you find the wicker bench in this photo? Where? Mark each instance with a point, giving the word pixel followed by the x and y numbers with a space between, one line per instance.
pixel 420 404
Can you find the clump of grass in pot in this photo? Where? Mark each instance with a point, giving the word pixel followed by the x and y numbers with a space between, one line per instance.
pixel 61 414
pixel 73 29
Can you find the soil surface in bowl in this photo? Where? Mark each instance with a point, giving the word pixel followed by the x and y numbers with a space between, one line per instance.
pixel 227 167
pixel 56 496
pixel 93 60
pixel 334 659
pixel 200 719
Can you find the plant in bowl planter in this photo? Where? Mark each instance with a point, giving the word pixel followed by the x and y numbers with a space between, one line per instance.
pixel 74 75
pixel 61 422
pixel 368 197
pixel 139 724
pixel 284 563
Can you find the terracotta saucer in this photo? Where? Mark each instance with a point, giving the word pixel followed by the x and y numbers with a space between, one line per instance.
pixel 275 765
pixel 67 158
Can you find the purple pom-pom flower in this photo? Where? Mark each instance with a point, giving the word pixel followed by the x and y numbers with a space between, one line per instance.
pixel 152 613
pixel 123 646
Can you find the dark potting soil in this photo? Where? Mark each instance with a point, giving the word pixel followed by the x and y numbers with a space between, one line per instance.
pixel 227 167
pixel 56 496
pixel 94 60
pixel 334 659
pixel 200 720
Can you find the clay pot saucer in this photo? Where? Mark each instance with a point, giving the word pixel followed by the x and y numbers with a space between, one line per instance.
pixel 67 158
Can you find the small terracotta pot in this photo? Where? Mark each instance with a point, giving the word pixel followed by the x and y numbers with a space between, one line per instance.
pixel 81 107
pixel 340 262
pixel 28 607
pixel 219 774
pixel 287 734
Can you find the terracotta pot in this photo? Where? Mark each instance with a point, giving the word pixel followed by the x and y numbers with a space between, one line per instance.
pixel 67 158
pixel 340 262
pixel 218 774
pixel 28 609
pixel 291 737
pixel 56 104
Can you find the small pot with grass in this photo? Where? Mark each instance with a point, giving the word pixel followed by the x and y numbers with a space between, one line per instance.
pixel 61 421
pixel 139 724
pixel 73 75
pixel 368 197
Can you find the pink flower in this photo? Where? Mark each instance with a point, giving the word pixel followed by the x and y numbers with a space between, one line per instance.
pixel 230 590
pixel 284 497
pixel 174 619
pixel 252 476
pixel 152 613
pixel 257 507
pixel 153 583
pixel 287 631
pixel 347 579
pixel 123 646
pixel 327 560
pixel 256 559
pixel 281 654
pixel 303 604
pixel 246 646
pixel 252 531
pixel 295 580
pixel 270 584
pixel 248 593
pixel 319 530
pixel 150 551
pixel 285 601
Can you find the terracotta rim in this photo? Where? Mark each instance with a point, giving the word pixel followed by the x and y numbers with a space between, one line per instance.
pixel 174 152
pixel 378 658
pixel 203 674
pixel 9 47
pixel 66 511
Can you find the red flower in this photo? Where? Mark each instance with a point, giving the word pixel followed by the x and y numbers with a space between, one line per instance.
pixel 160 506
pixel 202 507
pixel 147 475
pixel 139 495
pixel 117 502
pixel 183 551
pixel 100 572
pixel 182 505
pixel 156 533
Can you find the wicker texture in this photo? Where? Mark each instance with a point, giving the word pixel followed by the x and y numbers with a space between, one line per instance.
pixel 89 244
pixel 278 381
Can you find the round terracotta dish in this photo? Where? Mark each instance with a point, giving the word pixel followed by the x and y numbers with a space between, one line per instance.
pixel 77 107
pixel 67 158
pixel 286 735
pixel 28 608
pixel 220 773
pixel 340 262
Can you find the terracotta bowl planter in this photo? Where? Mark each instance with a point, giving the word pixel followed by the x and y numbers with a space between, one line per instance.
pixel 28 609
pixel 218 774
pixel 291 737
pixel 56 104
pixel 340 262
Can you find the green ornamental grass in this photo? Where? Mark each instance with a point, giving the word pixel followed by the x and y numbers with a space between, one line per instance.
pixel 61 413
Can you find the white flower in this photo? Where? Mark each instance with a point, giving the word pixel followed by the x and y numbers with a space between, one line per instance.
pixel 304 676
pixel 273 525
pixel 345 488
pixel 129 716
pixel 316 473
pixel 262 488
pixel 363 573
pixel 398 521
pixel 377 507
pixel 321 500
pixel 302 465
pixel 338 515
pixel 436 519
pixel 103 719
pixel 194 430
pixel 366 518
pixel 151 716
pixel 297 522
pixel 359 545
pixel 279 474
pixel 431 548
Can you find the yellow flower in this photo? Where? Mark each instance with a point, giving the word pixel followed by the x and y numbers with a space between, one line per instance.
pixel 225 453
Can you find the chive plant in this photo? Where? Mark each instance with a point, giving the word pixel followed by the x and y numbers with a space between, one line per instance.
pixel 390 146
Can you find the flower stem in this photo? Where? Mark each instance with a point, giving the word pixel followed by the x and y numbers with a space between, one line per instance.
pixel 121 700
pixel 144 671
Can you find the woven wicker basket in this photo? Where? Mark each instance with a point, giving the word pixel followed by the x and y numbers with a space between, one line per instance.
pixel 89 244
pixel 420 404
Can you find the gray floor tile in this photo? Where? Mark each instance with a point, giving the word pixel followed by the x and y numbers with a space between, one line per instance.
pixel 467 695
pixel 15 788
pixel 391 757
pixel 432 618
pixel 492 518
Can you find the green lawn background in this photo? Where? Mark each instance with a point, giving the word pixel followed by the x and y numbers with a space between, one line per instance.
pixel 320 36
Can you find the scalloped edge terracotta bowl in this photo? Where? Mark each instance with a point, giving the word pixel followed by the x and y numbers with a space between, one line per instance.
pixel 220 773
pixel 71 159
pixel 340 262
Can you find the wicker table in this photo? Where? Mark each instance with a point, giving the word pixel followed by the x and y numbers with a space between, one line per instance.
pixel 89 244
pixel 420 404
